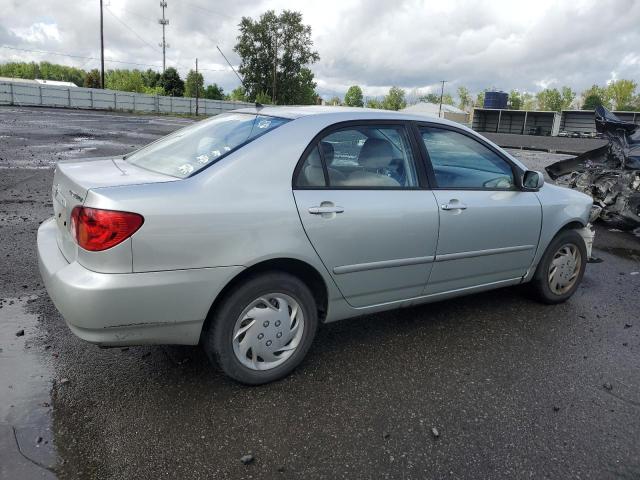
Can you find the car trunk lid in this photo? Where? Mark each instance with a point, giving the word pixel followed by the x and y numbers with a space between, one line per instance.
pixel 72 181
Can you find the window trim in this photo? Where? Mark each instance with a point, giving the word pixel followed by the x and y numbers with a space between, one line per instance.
pixel 515 169
pixel 418 159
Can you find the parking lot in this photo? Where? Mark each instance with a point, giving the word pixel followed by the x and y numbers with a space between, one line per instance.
pixel 492 385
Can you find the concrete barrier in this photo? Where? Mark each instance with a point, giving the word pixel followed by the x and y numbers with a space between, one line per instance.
pixel 23 93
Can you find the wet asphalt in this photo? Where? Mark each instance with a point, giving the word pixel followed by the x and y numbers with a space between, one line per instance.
pixel 492 385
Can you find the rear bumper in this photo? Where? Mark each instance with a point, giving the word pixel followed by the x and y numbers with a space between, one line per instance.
pixel 167 307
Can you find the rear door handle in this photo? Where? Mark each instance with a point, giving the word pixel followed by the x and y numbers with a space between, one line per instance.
pixel 327 209
pixel 453 206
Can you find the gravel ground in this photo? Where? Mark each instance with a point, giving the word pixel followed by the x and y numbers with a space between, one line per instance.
pixel 514 389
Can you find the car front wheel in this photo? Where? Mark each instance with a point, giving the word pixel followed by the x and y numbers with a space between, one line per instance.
pixel 561 268
pixel 263 329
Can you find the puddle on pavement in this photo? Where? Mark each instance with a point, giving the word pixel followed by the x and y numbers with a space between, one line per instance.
pixel 25 384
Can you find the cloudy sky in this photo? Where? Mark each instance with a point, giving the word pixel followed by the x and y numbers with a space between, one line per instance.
pixel 528 45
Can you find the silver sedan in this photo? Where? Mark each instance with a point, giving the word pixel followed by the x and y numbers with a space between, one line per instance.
pixel 245 231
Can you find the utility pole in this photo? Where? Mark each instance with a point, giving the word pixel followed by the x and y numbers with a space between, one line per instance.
pixel 441 95
pixel 101 49
pixel 197 92
pixel 275 65
pixel 164 22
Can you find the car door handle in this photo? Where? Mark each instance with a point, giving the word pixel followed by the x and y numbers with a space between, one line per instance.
pixel 453 206
pixel 327 209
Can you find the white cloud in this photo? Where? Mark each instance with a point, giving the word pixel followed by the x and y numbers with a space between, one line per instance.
pixel 45 33
pixel 413 44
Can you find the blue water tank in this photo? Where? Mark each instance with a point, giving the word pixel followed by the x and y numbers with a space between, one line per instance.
pixel 496 99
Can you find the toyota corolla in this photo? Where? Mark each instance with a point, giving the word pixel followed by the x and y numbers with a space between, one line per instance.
pixel 245 231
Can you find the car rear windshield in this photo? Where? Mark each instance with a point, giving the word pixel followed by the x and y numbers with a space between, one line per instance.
pixel 193 148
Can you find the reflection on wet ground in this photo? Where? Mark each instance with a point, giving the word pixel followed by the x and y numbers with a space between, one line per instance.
pixel 26 435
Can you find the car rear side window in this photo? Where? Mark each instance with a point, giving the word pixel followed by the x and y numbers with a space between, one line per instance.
pixel 460 162
pixel 366 156
pixel 192 149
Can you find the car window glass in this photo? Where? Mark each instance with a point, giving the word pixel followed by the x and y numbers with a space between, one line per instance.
pixel 459 161
pixel 193 148
pixel 368 156
pixel 312 174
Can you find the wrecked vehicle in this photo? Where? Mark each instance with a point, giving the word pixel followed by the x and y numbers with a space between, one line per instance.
pixel 610 174
pixel 245 231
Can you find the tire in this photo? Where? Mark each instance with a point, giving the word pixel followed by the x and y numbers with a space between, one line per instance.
pixel 257 314
pixel 544 286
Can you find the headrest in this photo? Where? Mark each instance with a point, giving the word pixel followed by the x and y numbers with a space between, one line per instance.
pixel 314 158
pixel 376 153
pixel 328 151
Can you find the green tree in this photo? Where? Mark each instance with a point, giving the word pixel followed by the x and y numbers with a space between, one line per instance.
pixel 213 92
pixel 353 97
pixel 335 101
pixel 464 98
pixel 621 93
pixel 151 78
pixel 263 98
pixel 194 81
pixel 529 101
pixel 395 99
pixel 92 79
pixel 592 101
pixel 447 99
pixel 430 98
pixel 568 96
pixel 480 99
pixel 238 94
pixel 124 80
pixel 374 103
pixel 515 100
pixel 549 99
pixel 280 41
pixel 171 82
pixel 599 96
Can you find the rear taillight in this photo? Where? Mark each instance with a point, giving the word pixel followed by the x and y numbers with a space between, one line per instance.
pixel 95 229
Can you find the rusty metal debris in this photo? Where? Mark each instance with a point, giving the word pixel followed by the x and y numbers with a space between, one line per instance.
pixel 610 174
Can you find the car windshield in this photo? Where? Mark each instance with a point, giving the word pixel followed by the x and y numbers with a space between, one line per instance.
pixel 193 148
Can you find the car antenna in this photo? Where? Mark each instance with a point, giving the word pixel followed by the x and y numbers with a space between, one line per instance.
pixel 258 105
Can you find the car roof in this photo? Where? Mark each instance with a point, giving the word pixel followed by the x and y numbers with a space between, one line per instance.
pixel 342 114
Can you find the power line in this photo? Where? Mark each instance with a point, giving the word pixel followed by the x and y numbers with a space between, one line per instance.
pixel 131 30
pixel 45 52
pixel 77 56
pixel 207 10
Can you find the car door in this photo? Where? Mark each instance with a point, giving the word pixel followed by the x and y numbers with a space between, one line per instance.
pixel 362 198
pixel 489 227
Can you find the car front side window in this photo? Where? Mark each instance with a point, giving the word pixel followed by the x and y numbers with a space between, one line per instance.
pixel 460 162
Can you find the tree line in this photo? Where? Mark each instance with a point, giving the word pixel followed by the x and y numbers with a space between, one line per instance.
pixel 617 95
pixel 140 81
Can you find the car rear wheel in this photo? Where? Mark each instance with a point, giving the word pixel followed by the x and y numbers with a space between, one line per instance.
pixel 263 329
pixel 561 268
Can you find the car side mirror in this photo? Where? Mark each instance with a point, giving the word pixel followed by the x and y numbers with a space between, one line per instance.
pixel 532 180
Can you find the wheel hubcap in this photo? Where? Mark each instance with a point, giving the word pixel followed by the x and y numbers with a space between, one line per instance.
pixel 268 331
pixel 564 269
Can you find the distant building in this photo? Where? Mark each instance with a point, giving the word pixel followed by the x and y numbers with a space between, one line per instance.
pixel 54 83
pixel 433 110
